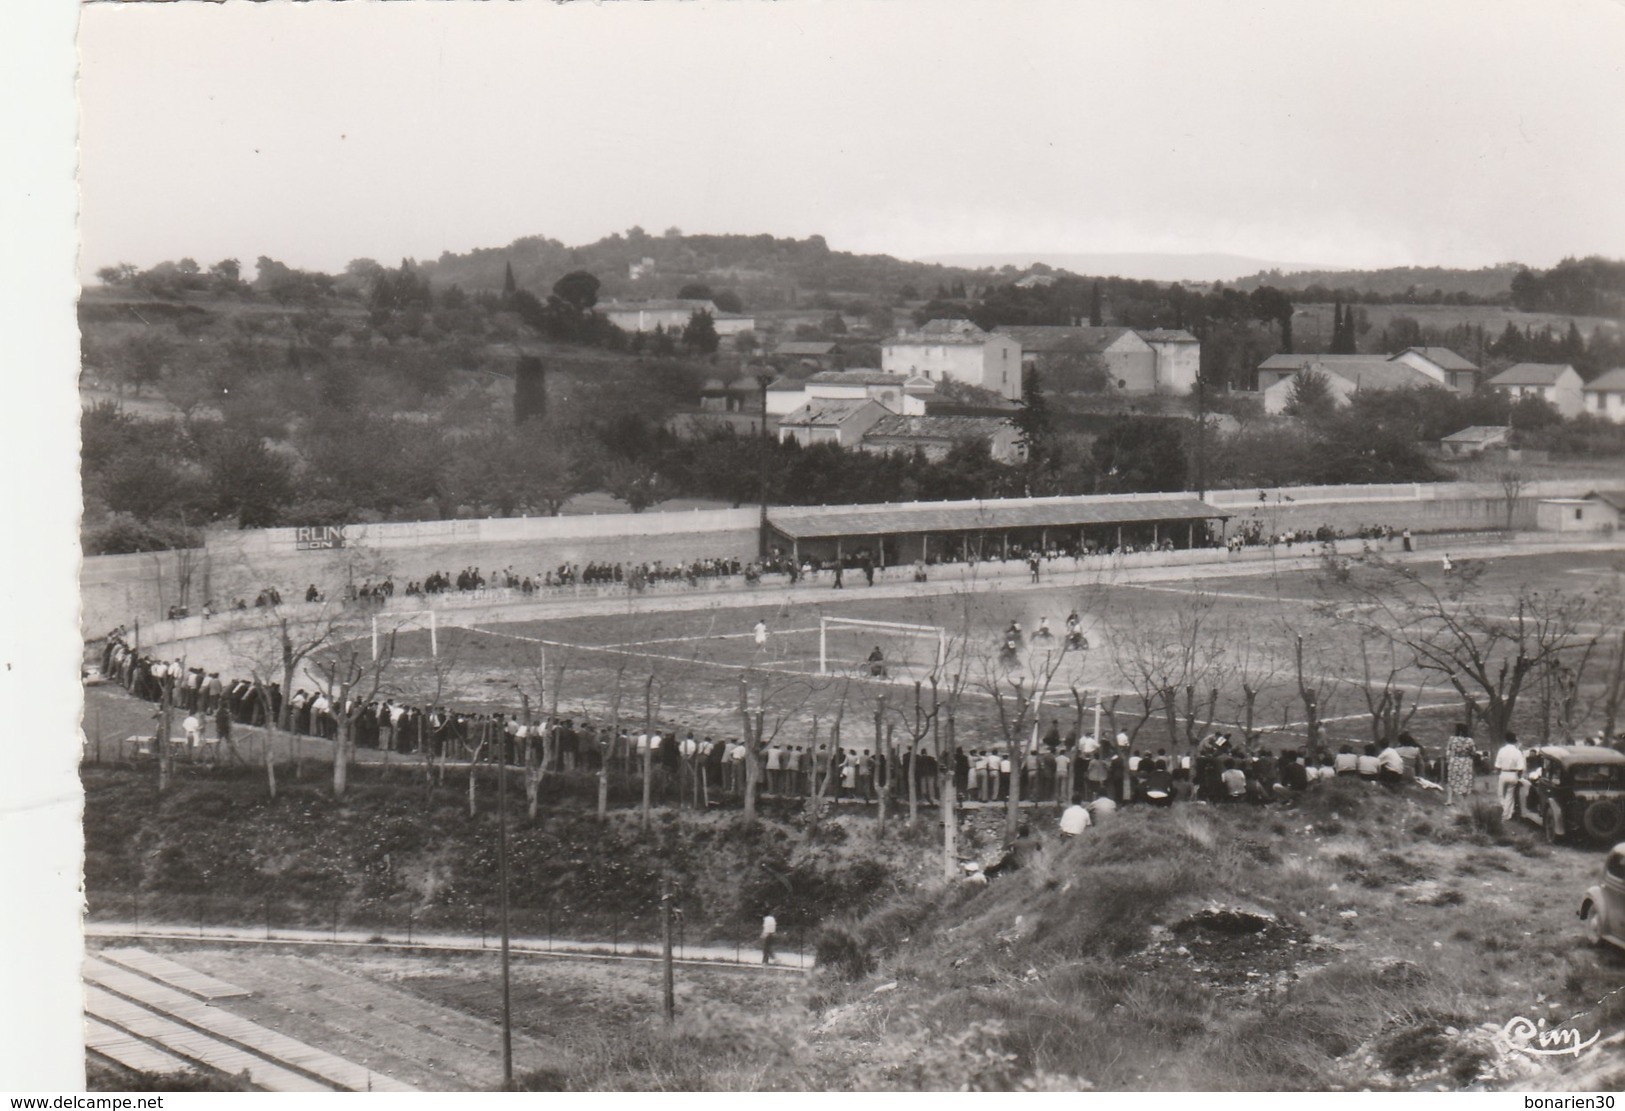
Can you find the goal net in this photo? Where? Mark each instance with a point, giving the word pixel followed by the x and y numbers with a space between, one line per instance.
pixel 399 622
pixel 846 645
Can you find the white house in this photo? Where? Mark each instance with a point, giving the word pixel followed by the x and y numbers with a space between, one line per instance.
pixel 1604 396
pixel 1161 360
pixel 937 436
pixel 957 350
pixel 840 421
pixel 1344 377
pixel 1279 368
pixel 672 315
pixel 897 393
pixel 1450 369
pixel 1593 513
pixel 1557 383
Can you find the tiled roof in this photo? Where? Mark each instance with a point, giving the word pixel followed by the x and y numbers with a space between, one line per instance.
pixel 873 520
pixel 803 348
pixel 858 377
pixel 953 325
pixel 1048 338
pixel 826 411
pixel 1441 357
pixel 937 339
pixel 1373 372
pixel 668 305
pixel 1608 497
pixel 935 428
pixel 1530 374
pixel 1165 335
pixel 1609 380
pixel 1479 434
pixel 1299 360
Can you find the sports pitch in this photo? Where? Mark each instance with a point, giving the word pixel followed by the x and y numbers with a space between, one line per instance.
pixel 690 663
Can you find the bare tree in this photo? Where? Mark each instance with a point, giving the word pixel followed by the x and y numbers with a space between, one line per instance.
pixel 1385 701
pixel 350 681
pixel 1459 630
pixel 761 718
pixel 1175 663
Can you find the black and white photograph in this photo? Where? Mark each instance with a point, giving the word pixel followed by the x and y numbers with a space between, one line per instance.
pixel 847 546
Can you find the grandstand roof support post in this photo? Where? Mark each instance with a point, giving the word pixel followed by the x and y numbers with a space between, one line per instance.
pixel 925 542
pixel 1155 539
pixel 1006 538
pixel 1190 535
pixel 1119 537
pixel 1043 539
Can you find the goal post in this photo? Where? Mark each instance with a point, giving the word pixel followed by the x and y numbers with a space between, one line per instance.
pixel 932 632
pixel 407 618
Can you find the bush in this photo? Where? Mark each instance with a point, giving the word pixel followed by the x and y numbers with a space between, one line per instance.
pixel 842 952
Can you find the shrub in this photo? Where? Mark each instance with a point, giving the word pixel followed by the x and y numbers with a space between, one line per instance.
pixel 843 953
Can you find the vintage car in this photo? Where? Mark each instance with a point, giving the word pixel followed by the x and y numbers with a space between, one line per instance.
pixel 1575 791
pixel 1603 908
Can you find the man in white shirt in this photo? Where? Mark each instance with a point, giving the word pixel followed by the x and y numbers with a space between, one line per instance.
pixel 1512 765
pixel 1074 820
pixel 761 633
pixel 770 929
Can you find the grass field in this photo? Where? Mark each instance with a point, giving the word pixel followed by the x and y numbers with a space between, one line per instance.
pixel 696 658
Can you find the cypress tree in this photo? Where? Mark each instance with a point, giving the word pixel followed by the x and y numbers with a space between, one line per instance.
pixel 530 390
pixel 1095 317
pixel 509 286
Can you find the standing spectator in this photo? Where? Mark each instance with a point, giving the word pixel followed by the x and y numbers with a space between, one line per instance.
pixel 1458 763
pixel 1512 766
pixel 770 930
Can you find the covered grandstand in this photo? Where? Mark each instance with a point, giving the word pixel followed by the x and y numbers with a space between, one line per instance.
pixel 955 531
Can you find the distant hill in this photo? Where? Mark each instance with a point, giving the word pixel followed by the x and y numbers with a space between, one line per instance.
pixel 1393 281
pixel 766 271
pixel 1144 266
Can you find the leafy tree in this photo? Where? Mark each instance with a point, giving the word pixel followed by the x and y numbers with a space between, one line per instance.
pixel 700 336
pixel 1141 455
pixel 1271 305
pixel 1310 395
pixel 636 483
pixel 727 300
pixel 141 359
pixel 1033 420
pixel 1096 319
pixel 530 389
pixel 578 289
pixel 245 480
pixel 696 291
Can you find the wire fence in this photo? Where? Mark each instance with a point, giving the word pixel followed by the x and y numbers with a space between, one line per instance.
pixel 468 926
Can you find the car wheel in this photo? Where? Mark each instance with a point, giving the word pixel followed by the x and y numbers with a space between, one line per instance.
pixel 1548 826
pixel 1592 919
pixel 1604 820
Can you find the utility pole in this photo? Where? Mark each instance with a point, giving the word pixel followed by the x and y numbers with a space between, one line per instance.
pixel 1201 438
pixel 762 380
pixel 502 870
pixel 670 1002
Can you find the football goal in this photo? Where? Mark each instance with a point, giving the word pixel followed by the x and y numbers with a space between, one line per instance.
pixel 847 643
pixel 395 622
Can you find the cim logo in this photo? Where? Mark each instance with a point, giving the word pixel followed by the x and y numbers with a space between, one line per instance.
pixel 318 537
pixel 1538 1040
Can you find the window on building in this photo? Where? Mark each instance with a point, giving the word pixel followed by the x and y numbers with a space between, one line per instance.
pixel 1580 513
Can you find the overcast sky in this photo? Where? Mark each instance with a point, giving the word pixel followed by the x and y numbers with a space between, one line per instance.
pixel 1363 134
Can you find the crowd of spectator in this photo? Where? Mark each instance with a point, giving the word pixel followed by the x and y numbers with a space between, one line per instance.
pixel 706 770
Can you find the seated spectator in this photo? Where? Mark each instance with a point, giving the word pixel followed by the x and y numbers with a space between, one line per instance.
pixel 1347 763
pixel 1295 776
pixel 1074 819
pixel 1390 765
pixel 1234 780
pixel 1410 752
pixel 1366 763
pixel 1102 809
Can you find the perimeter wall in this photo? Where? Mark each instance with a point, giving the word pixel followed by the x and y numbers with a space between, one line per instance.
pixel 118 590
